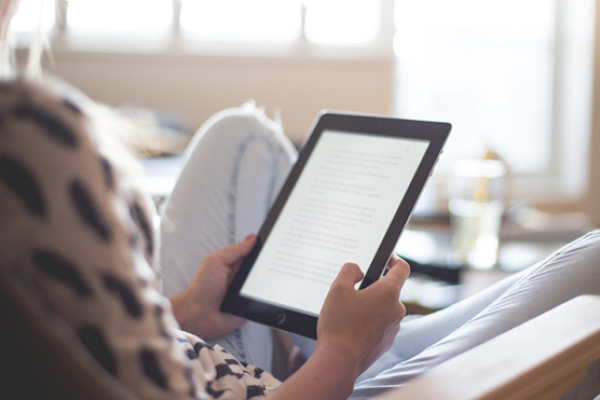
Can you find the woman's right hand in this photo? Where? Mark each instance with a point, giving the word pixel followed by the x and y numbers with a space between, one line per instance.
pixel 363 323
pixel 355 328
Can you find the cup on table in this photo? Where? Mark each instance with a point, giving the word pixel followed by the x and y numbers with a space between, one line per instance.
pixel 476 205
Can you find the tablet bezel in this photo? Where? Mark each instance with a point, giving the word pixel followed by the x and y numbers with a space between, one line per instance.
pixel 305 324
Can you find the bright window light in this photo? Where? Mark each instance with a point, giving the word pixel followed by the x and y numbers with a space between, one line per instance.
pixel 28 16
pixel 350 22
pixel 242 20
pixel 485 66
pixel 120 15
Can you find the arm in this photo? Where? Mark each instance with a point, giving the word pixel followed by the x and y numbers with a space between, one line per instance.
pixel 328 374
pixel 354 329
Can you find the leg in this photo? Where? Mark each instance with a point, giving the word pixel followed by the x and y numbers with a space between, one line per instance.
pixel 569 272
pixel 234 168
pixel 419 333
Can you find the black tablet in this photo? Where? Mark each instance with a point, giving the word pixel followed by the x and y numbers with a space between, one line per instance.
pixel 347 199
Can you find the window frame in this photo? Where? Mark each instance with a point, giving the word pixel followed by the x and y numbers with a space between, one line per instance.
pixel 564 181
pixel 174 42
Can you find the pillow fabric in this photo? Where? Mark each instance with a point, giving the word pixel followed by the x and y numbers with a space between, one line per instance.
pixel 82 237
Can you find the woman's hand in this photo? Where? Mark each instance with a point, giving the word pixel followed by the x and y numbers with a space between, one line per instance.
pixel 197 308
pixel 363 323
pixel 355 327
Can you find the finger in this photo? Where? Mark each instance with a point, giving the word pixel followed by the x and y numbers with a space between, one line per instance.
pixel 349 275
pixel 392 260
pixel 398 271
pixel 233 270
pixel 236 252
pixel 395 261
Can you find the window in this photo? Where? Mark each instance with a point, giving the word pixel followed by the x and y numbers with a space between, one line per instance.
pixel 346 22
pixel 127 16
pixel 485 67
pixel 242 20
pixel 28 15
pixel 318 22
pixel 508 75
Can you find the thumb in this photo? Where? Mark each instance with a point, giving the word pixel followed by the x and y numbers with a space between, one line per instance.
pixel 398 271
pixel 349 275
pixel 237 251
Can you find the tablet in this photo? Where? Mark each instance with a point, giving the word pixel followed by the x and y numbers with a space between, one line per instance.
pixel 347 199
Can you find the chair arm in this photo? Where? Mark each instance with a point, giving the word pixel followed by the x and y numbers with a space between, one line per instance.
pixel 540 359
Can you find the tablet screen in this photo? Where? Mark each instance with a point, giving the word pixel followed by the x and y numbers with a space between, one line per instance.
pixel 338 212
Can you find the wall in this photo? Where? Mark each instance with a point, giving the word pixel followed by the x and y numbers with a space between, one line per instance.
pixel 198 86
pixel 593 198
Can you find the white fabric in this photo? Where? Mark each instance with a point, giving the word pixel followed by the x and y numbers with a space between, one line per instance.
pixel 235 166
pixel 428 341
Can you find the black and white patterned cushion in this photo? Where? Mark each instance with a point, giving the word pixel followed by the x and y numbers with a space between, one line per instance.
pixel 83 239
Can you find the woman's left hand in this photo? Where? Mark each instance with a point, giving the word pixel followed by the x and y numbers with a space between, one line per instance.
pixel 197 308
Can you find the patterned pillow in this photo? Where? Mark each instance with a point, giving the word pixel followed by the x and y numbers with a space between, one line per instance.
pixel 81 234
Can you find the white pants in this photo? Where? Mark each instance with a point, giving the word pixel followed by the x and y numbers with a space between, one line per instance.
pixel 235 166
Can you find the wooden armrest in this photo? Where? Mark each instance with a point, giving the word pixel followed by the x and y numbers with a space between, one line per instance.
pixel 540 359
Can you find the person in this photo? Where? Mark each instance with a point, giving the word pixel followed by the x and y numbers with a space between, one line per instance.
pixel 77 234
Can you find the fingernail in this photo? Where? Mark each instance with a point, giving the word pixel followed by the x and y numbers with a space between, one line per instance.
pixel 250 236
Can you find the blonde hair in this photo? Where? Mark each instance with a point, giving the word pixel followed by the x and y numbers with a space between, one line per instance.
pixel 8 9
pixel 33 69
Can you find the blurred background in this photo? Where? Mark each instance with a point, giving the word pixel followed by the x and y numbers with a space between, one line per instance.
pixel 518 79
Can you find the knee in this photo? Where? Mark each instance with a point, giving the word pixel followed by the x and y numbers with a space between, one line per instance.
pixel 244 130
pixel 240 124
